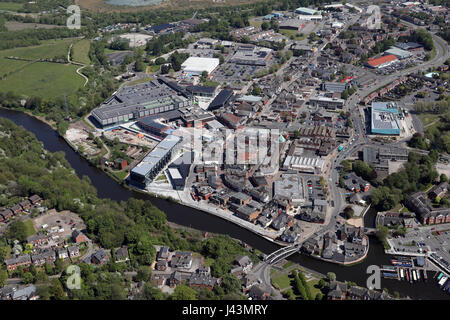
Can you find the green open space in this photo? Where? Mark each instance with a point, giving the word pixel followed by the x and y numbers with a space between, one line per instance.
pixel 288 33
pixel 48 50
pixel 428 118
pixel 43 79
pixel 10 6
pixel 80 51
pixel 29 227
pixel 282 281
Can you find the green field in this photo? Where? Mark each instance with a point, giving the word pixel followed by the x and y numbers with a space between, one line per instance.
pixel 428 118
pixel 44 79
pixel 10 6
pixel 81 51
pixel 289 33
pixel 29 227
pixel 281 282
pixel 48 50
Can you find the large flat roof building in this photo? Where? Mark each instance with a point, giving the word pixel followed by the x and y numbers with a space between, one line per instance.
pixel 381 62
pixel 141 100
pixel 196 65
pixel 384 118
pixel 146 170
pixel 251 55
pixel 328 103
pixel 289 186
pixel 399 53
pixel 306 11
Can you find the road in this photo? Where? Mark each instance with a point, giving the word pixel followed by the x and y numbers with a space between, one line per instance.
pixel 359 137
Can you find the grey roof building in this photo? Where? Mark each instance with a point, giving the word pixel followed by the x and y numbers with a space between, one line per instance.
pixel 141 100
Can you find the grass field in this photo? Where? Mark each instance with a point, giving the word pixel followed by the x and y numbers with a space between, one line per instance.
pixel 81 51
pixel 15 25
pixel 289 33
pixel 281 282
pixel 43 79
pixel 427 118
pixel 49 49
pixel 152 69
pixel 29 227
pixel 10 6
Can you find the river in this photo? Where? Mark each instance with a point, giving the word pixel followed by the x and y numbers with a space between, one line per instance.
pixel 108 188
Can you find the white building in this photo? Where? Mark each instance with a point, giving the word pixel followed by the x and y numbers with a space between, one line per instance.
pixel 196 65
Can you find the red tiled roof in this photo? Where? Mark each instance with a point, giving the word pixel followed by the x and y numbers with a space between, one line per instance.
pixel 381 60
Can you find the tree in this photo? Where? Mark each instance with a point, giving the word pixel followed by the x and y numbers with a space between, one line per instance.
pixel 143 274
pixel 3 277
pixel 56 290
pixel 349 212
pixel 183 292
pixel 17 230
pixel 331 276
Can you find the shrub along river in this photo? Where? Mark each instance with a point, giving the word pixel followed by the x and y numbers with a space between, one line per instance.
pixel 179 214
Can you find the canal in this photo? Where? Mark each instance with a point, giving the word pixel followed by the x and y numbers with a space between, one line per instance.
pixel 110 189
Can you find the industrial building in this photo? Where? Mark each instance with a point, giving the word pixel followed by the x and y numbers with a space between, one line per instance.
pixel 251 55
pixel 196 65
pixel 313 165
pixel 292 24
pixel 290 186
pixel 327 103
pixel 409 46
pixel 334 86
pixel 221 99
pixel 306 11
pixel 202 91
pixel 145 171
pixel 141 100
pixel 384 118
pixel 399 53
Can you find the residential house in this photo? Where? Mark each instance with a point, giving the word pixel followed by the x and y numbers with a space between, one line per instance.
pixel 78 236
pixel 122 254
pixel 99 257
pixel 181 259
pixel 74 251
pixel 15 262
pixel 25 204
pixel 35 199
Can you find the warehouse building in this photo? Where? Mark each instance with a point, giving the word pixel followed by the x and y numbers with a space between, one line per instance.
pixel 141 100
pixel 196 65
pixel 409 46
pixel 292 24
pixel 202 91
pixel 399 53
pixel 335 86
pixel 327 103
pixel 306 11
pixel 289 186
pixel 145 171
pixel 384 118
pixel 221 99
pixel 252 55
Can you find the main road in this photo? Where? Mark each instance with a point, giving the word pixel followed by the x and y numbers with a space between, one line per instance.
pixel 359 137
